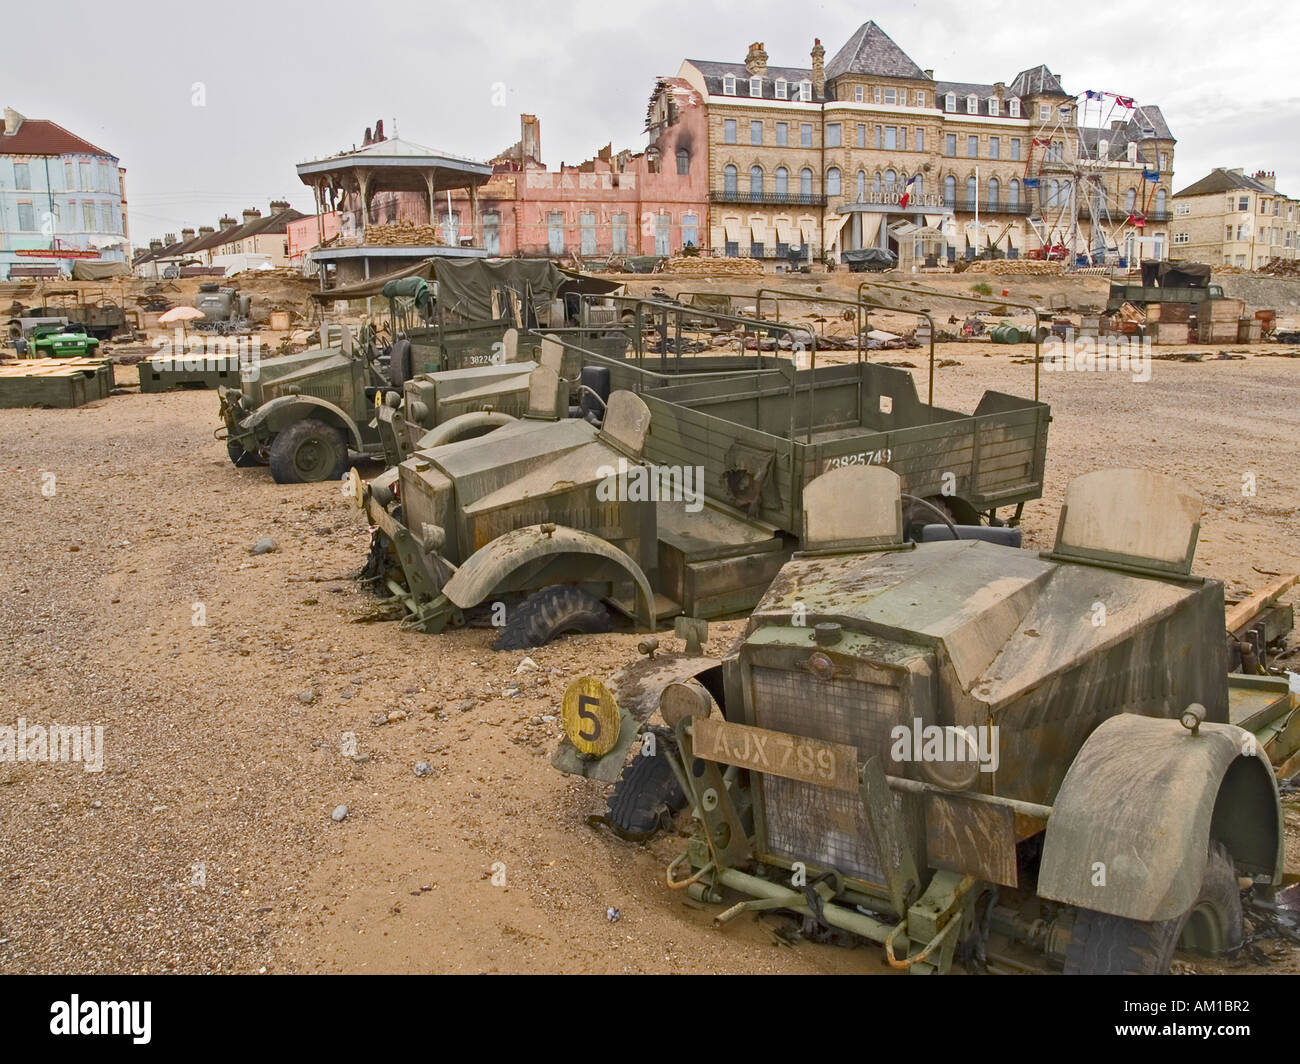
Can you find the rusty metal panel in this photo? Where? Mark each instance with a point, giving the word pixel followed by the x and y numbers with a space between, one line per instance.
pixel 971 837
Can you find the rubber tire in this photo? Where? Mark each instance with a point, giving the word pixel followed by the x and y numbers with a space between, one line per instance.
pixel 550 613
pixel 399 362
pixel 646 796
pixel 1102 944
pixel 285 445
pixel 240 457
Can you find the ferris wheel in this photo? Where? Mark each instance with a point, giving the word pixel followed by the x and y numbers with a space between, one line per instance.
pixel 1065 177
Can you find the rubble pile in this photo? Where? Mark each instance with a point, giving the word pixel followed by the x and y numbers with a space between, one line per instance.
pixel 700 266
pixel 1016 267
pixel 1279 268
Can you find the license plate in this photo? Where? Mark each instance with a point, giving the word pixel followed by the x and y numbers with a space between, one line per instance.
pixel 831 765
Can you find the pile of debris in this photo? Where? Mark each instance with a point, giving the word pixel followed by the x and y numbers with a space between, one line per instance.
pixel 700 266
pixel 402 235
pixel 1280 268
pixel 1015 267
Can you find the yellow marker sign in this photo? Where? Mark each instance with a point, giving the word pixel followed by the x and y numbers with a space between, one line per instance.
pixel 590 716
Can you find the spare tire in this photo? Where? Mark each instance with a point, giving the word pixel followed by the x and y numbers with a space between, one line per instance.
pixel 399 362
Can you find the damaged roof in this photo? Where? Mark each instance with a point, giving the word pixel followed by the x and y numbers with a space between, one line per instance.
pixel 713 74
pixel 871 51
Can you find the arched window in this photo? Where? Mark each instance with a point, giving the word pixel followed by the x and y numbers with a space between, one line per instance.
pixel 782 181
pixel 805 182
pixel 972 192
pixel 755 180
pixel 729 180
pixel 683 161
pixel 949 190
pixel 1067 190
pixel 995 190
pixel 891 179
pixel 1053 193
pixel 918 187
pixel 833 181
pixel 875 186
pixel 1130 201
pixel 1160 199
pixel 1013 194
pixel 862 186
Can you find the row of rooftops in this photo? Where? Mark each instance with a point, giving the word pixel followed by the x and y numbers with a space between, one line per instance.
pixel 1221 179
pixel 227 231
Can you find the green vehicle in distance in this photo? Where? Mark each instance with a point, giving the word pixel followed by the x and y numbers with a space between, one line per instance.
pixel 62 341
pixel 961 750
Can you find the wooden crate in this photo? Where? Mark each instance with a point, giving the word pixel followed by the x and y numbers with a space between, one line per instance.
pixel 1169 332
pixel 1248 331
pixel 1222 309
pixel 55 382
pixel 1169 312
pixel 1217 332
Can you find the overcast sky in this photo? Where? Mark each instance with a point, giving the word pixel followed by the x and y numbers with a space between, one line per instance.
pixel 290 82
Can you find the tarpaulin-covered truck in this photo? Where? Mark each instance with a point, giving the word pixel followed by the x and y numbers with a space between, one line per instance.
pixel 962 749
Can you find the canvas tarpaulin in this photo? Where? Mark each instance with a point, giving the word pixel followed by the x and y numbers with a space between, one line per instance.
pixel 99 271
pixel 465 287
pixel 375 285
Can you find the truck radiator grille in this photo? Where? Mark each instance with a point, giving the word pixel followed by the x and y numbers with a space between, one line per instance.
pixel 815 824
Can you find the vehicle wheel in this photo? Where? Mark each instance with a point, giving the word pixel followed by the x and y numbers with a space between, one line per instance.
pixel 646 796
pixel 240 457
pixel 399 362
pixel 550 613
pixel 308 452
pixel 1112 945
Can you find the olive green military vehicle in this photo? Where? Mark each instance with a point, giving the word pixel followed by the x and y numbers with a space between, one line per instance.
pixel 963 751
pixel 304 414
pixel 692 499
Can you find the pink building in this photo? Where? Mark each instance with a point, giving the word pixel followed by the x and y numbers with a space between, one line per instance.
pixel 305 233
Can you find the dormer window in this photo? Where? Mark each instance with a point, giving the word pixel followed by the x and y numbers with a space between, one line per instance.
pixel 728 84
pixel 1103 148
pixel 805 91
pixel 993 105
pixel 920 98
pixel 875 93
pixel 1013 108
pixel 781 89
pixel 950 102
pixel 891 96
pixel 972 104
pixel 1132 152
pixel 756 86
pixel 1044 112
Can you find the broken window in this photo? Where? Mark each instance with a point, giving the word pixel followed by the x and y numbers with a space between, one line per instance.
pixel 587 234
pixel 555 233
pixel 26 217
pixel 662 230
pixel 618 226
pixel 683 161
pixel 690 231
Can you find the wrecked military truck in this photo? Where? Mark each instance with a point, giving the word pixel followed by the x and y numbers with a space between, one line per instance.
pixel 745 442
pixel 962 751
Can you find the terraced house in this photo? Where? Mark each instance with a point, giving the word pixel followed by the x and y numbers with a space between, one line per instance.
pixel 870 150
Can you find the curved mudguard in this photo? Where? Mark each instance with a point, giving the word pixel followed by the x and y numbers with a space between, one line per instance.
pixel 1131 824
pixel 278 414
pixel 462 426
pixel 483 571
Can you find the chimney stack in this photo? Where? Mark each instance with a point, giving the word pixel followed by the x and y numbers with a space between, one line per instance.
pixel 206 230
pixel 999 90
pixel 530 139
pixel 756 60
pixel 226 222
pixel 251 214
pixel 818 68
pixel 12 121
pixel 155 244
pixel 169 239
pixel 278 205
pixel 1266 177
pixel 187 234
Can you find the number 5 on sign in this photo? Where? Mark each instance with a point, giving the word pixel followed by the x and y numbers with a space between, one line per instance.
pixel 590 716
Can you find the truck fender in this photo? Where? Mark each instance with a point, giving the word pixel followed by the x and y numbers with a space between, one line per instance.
pixel 1131 825
pixel 283 411
pixel 464 426
pixel 484 570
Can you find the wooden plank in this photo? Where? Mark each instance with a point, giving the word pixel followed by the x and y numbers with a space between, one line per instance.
pixel 1243 612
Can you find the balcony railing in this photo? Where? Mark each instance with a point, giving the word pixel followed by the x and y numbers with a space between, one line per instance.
pixel 988 206
pixel 775 199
